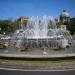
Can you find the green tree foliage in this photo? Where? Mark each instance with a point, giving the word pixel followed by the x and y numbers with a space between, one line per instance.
pixel 71 26
pixel 8 25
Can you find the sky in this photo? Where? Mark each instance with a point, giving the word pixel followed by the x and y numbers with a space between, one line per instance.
pixel 16 8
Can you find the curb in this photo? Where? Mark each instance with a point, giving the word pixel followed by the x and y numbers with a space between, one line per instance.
pixel 37 57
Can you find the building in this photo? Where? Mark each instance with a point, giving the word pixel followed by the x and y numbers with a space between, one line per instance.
pixel 64 17
pixel 23 20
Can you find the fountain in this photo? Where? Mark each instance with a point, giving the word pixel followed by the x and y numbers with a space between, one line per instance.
pixel 42 34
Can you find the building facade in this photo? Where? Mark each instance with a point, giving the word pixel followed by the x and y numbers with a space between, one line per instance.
pixel 64 17
pixel 23 20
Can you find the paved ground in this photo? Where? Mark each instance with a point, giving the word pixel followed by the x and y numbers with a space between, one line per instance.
pixel 13 72
pixel 38 65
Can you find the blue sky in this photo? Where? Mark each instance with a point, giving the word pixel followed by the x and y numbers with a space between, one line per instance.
pixel 16 8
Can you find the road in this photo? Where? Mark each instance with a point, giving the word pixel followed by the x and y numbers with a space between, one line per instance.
pixel 14 72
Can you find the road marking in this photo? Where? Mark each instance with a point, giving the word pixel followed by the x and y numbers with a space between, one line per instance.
pixel 34 70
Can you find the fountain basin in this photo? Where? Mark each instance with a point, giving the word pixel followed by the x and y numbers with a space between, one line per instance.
pixel 42 43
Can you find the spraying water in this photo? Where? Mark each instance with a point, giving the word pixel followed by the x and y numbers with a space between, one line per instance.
pixel 42 34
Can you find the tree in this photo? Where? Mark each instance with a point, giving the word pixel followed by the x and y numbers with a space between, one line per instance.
pixel 9 25
pixel 71 26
